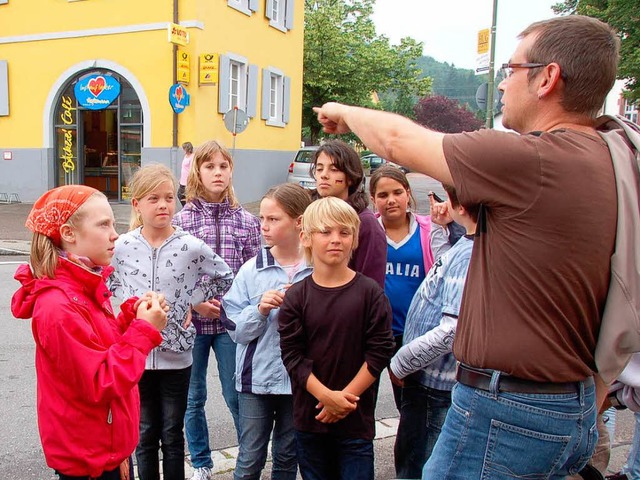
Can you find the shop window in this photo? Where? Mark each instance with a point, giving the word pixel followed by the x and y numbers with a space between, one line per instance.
pixel 245 6
pixel 276 93
pixel 238 85
pixel 280 14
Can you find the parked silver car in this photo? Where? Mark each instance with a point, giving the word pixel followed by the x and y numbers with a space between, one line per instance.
pixel 300 168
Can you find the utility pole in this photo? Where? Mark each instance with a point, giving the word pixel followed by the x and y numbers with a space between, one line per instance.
pixel 492 73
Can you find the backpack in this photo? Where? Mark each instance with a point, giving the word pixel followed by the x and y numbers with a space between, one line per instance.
pixel 619 335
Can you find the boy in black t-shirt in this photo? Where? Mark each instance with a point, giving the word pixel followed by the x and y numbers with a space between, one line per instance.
pixel 335 336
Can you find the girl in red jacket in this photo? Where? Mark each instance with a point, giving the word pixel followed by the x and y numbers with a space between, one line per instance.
pixel 88 362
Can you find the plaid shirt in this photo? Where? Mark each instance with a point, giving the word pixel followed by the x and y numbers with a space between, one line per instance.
pixel 232 233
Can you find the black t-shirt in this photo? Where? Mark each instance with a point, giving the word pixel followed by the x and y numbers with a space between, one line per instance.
pixel 332 332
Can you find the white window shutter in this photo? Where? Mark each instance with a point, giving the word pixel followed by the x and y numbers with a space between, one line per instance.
pixel 252 91
pixel 268 9
pixel 4 88
pixel 286 99
pixel 266 93
pixel 253 5
pixel 288 16
pixel 223 84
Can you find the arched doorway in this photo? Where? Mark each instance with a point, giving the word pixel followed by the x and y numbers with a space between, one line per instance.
pixel 99 148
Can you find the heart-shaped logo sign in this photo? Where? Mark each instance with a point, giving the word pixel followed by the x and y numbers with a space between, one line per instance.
pixel 96 85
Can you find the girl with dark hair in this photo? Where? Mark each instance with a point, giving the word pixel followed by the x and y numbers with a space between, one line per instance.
pixel 339 173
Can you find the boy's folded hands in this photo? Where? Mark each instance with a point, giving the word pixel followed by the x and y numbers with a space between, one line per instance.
pixel 335 405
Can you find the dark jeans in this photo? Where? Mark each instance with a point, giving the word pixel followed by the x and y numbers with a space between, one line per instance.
pixel 112 475
pixel 163 402
pixel 327 457
pixel 422 415
pixel 397 391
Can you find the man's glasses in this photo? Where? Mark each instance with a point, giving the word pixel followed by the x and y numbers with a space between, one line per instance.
pixel 507 68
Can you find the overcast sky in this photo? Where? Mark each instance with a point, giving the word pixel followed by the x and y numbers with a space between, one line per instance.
pixel 449 28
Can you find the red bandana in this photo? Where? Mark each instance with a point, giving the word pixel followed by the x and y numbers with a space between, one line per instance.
pixel 55 207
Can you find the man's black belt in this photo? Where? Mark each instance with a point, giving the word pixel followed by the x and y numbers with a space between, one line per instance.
pixel 481 379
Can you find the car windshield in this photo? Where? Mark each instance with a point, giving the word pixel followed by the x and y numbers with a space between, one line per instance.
pixel 305 156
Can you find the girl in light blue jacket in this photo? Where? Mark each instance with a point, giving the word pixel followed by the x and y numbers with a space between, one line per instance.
pixel 252 303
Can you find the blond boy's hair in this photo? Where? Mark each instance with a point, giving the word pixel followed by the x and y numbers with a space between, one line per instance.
pixel 44 253
pixel 326 213
pixel 145 181
pixel 195 188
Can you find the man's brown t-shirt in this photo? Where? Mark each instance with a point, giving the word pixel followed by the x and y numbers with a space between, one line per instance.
pixel 539 272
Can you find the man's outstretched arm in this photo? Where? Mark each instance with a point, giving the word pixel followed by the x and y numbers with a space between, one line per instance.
pixel 391 136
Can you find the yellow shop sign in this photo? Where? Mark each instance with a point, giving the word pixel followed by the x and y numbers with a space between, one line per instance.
pixel 178 34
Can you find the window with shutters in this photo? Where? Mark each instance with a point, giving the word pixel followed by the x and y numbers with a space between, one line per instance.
pixel 245 6
pixel 238 84
pixel 280 14
pixel 276 94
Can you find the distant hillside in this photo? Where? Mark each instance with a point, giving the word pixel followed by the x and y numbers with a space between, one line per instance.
pixel 457 83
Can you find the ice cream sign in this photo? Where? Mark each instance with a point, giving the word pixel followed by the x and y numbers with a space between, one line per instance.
pixel 97 92
pixel 178 97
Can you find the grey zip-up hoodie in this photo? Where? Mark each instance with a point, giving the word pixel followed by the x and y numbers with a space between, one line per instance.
pixel 185 270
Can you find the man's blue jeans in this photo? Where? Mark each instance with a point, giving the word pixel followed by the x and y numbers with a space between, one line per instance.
pixel 259 415
pixel 195 419
pixel 493 435
pixel 328 457
pixel 422 414
pixel 163 401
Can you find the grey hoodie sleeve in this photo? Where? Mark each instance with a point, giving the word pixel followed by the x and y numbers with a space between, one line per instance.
pixel 425 349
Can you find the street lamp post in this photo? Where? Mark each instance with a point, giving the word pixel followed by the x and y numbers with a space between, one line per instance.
pixel 492 75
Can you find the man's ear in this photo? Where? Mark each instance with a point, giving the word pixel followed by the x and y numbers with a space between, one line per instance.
pixel 551 75
pixel 67 234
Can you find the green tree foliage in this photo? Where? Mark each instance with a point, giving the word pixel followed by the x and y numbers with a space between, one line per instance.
pixel 346 61
pixel 457 83
pixel 445 115
pixel 624 17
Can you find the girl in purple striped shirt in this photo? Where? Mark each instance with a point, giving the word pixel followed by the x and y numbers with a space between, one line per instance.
pixel 214 215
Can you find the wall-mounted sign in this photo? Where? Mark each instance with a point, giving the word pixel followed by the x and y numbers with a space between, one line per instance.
pixel 208 69
pixel 97 92
pixel 7 155
pixel 178 97
pixel 183 70
pixel 177 34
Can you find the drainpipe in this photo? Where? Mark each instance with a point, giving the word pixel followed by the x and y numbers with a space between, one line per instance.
pixel 175 74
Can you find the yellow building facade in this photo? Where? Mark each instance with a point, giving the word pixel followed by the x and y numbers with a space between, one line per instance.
pixel 86 89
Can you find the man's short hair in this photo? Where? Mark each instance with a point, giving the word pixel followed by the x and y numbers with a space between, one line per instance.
pixel 326 213
pixel 587 51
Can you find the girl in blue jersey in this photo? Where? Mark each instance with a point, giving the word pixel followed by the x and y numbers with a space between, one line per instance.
pixel 410 238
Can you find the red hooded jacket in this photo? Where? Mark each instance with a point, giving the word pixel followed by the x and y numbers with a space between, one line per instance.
pixel 88 364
